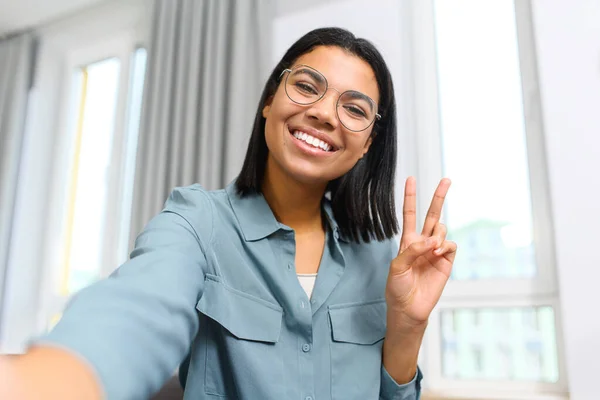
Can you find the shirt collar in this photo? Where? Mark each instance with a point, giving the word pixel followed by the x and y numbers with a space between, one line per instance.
pixel 257 221
pixel 337 234
pixel 253 213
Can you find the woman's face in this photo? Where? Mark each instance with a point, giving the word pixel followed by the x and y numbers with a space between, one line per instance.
pixel 289 126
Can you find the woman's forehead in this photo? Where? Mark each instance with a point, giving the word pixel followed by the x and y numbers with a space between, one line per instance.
pixel 343 70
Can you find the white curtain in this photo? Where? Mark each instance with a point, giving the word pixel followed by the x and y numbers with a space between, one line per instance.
pixel 207 64
pixel 17 56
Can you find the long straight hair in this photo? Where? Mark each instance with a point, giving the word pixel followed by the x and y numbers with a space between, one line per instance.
pixel 362 199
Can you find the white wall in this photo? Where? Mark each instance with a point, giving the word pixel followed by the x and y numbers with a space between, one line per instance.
pixel 568 47
pixel 24 14
pixel 288 7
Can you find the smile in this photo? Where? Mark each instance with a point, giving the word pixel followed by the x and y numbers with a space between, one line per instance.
pixel 312 141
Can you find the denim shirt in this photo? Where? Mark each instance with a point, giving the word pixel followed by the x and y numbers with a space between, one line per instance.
pixel 213 276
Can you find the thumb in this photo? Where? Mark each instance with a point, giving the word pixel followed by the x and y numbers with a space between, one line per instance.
pixel 406 258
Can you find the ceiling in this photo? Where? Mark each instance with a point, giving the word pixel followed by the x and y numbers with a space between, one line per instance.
pixel 17 15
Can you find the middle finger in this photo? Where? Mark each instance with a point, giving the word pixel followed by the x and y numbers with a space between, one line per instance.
pixel 435 209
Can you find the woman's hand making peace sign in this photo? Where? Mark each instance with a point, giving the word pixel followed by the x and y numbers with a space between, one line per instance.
pixel 420 271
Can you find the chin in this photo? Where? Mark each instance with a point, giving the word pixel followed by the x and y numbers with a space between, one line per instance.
pixel 308 173
pixel 307 176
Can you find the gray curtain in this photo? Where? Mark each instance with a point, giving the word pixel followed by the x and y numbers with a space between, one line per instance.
pixel 17 56
pixel 207 63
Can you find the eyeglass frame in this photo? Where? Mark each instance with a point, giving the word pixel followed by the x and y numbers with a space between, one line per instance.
pixel 377 115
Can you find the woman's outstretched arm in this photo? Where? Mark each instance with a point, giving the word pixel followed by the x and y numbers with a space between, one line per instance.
pixel 124 336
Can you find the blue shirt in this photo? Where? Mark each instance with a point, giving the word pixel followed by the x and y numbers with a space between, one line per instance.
pixel 213 275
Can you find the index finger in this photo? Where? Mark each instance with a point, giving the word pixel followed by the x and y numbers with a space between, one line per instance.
pixel 409 209
pixel 435 209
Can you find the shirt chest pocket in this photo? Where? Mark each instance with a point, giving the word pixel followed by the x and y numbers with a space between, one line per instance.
pixel 357 333
pixel 242 338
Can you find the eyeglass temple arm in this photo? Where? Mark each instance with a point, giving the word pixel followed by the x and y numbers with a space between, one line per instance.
pixel 283 72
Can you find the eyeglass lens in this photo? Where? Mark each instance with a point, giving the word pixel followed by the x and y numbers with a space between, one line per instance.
pixel 355 110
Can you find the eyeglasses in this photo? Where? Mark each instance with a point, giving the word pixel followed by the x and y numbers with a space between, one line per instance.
pixel 305 85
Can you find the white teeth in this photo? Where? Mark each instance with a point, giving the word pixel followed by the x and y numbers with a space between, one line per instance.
pixel 312 140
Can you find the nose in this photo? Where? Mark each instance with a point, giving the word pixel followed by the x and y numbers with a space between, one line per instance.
pixel 324 110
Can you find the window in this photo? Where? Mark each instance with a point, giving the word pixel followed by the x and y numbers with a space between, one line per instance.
pixel 500 344
pixel 483 139
pixel 496 328
pixel 96 91
pixel 93 40
pixel 100 128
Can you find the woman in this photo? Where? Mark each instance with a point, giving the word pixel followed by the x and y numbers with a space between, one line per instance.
pixel 230 274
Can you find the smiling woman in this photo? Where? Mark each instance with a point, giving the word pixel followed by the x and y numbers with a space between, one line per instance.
pixel 221 275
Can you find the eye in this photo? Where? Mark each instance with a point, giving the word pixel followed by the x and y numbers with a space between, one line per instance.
pixel 355 110
pixel 306 88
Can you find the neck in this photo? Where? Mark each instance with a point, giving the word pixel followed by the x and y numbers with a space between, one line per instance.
pixel 295 204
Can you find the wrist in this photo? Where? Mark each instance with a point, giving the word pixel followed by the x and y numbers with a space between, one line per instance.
pixel 404 339
pixel 398 322
pixel 400 356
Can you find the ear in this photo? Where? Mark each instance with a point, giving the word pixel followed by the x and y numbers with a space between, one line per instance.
pixel 267 107
pixel 367 146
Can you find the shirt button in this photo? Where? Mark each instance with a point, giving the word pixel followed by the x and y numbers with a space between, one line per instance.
pixel 306 347
pixel 308 398
pixel 302 304
pixel 290 266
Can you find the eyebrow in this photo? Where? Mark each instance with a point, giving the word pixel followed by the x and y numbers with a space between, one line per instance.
pixel 315 75
pixel 360 96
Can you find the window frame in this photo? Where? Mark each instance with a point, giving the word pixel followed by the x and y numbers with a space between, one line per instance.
pixel 122 45
pixel 493 293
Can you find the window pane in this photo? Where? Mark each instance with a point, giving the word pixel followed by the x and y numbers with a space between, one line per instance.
pixel 483 139
pixel 509 344
pixel 98 85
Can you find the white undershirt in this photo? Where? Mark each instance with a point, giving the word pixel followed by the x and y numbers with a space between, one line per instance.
pixel 307 281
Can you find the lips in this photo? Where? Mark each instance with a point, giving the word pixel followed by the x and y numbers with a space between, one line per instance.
pixel 313 141
pixel 313 137
pixel 309 149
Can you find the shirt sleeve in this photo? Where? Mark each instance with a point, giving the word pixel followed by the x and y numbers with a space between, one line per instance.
pixel 136 326
pixel 390 390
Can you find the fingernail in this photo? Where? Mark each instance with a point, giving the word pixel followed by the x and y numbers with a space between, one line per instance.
pixel 438 251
